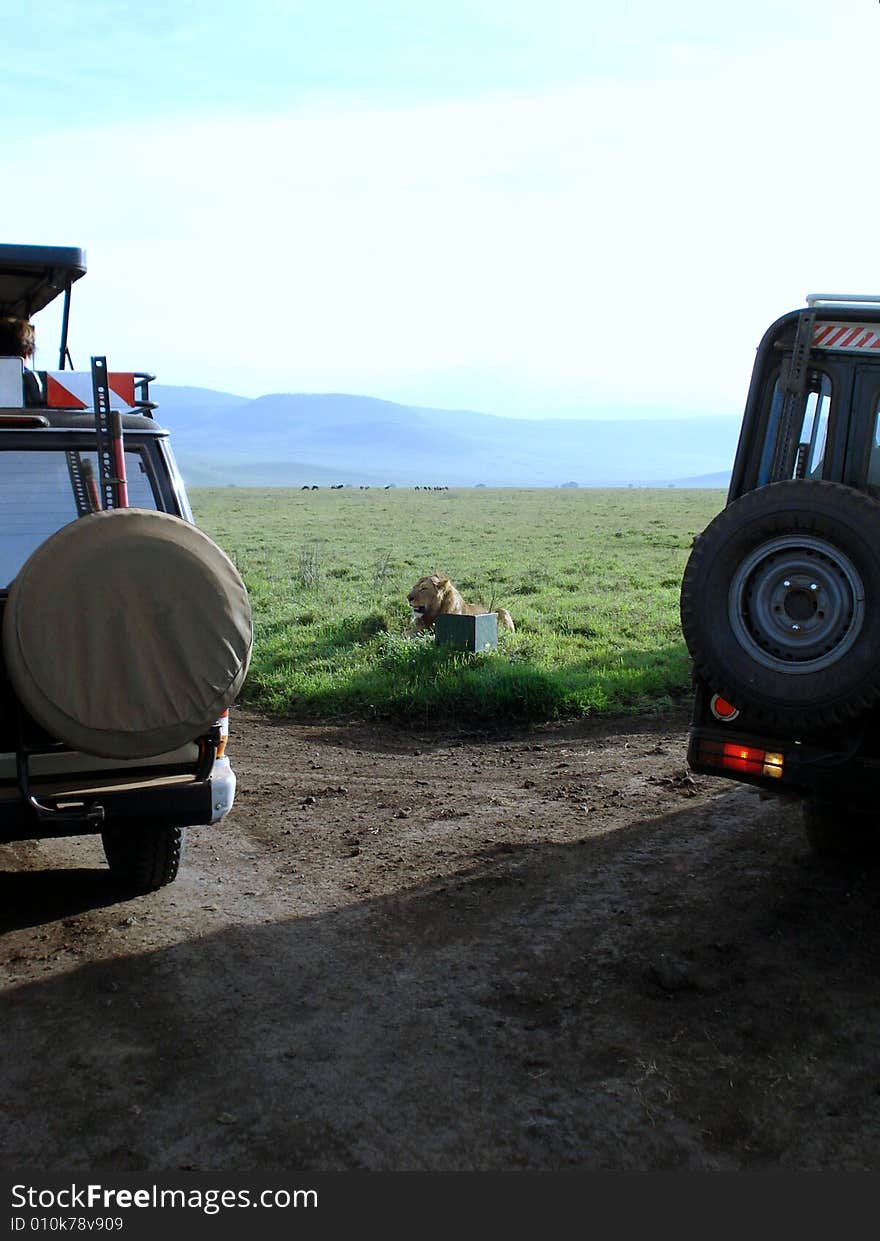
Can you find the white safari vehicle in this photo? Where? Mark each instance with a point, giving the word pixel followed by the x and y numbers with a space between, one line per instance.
pixel 126 632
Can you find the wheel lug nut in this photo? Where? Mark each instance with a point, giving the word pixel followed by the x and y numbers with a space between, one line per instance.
pixel 813 586
pixel 795 626
pixel 786 583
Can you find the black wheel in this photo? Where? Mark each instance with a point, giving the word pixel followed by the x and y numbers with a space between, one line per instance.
pixel 144 859
pixel 836 831
pixel 780 603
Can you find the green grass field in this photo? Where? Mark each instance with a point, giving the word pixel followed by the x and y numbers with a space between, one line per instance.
pixel 591 578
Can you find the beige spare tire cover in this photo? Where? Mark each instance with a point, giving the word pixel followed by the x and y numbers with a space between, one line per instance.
pixel 127 633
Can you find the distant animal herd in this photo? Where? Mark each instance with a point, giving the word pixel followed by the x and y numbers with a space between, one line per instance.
pixel 364 487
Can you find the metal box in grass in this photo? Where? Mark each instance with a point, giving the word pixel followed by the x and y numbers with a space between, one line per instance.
pixel 468 633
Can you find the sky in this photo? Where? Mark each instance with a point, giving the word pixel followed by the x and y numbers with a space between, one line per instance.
pixel 532 208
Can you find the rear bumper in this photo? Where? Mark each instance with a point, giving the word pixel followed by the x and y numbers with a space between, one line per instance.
pixel 58 763
pixel 743 757
pixel 170 801
pixel 845 770
pixel 840 763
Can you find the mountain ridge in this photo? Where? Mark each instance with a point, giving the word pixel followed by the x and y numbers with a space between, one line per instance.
pixel 299 439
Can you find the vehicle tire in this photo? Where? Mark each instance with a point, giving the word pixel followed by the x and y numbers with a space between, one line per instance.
pixel 780 603
pixel 127 633
pixel 143 859
pixel 841 832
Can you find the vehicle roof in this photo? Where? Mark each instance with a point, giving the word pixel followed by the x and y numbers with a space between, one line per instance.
pixel 826 312
pixel 64 420
pixel 32 276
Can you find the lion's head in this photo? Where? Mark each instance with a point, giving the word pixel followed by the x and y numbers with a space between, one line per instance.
pixel 426 597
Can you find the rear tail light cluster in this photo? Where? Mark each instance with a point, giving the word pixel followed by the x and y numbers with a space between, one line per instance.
pixel 223 725
pixel 748 759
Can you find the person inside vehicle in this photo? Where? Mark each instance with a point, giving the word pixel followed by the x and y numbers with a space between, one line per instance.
pixel 18 340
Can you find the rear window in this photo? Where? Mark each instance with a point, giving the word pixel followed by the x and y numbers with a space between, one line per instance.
pixel 37 498
pixel 800 453
pixel 874 459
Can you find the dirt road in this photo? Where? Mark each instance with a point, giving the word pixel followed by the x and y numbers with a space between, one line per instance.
pixel 404 951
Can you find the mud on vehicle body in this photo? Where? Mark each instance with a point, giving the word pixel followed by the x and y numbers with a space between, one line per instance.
pixel 780 600
pixel 126 631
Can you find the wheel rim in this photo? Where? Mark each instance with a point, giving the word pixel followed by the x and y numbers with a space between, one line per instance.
pixel 796 604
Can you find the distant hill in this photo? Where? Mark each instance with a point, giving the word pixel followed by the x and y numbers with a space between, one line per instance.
pixel 297 439
pixel 721 479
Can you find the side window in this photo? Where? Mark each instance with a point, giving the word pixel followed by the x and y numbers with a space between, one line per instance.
pixel 801 453
pixel 874 459
pixel 814 432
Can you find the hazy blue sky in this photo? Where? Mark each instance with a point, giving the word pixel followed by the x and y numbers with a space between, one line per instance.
pixel 526 208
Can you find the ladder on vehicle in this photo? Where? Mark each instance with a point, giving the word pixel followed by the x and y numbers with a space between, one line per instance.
pixel 794 385
pixel 110 490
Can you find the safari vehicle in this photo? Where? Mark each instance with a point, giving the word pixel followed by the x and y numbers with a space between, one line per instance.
pixel 780 600
pixel 126 630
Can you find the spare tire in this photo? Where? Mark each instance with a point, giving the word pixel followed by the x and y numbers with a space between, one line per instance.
pixel 127 633
pixel 780 603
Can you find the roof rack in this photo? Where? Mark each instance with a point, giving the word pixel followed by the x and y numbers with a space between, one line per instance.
pixel 843 299
pixel 32 276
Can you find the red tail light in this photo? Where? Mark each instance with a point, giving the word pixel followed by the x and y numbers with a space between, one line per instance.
pixel 750 760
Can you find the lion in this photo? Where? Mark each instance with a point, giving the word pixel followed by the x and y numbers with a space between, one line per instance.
pixel 435 594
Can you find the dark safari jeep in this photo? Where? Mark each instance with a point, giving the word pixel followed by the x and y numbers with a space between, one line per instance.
pixel 780 601
pixel 126 632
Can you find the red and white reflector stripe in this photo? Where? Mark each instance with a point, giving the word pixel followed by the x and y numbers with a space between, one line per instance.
pixel 849 336
pixel 73 390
